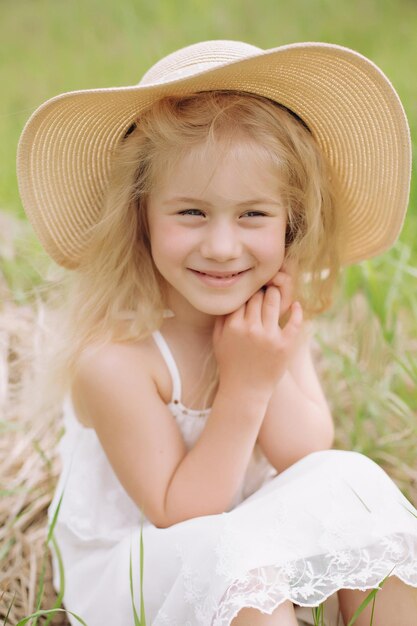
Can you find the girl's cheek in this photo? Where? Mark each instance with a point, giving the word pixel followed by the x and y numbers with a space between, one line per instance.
pixel 171 241
pixel 272 247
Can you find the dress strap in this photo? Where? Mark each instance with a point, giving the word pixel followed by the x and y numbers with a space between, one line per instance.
pixel 172 366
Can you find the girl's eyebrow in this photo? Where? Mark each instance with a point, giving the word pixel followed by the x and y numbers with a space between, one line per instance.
pixel 245 203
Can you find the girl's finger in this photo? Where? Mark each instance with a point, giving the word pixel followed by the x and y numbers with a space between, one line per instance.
pixel 271 307
pixel 253 309
pixel 285 284
pixel 294 324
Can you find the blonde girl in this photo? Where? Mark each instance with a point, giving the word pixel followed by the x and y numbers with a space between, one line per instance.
pixel 205 214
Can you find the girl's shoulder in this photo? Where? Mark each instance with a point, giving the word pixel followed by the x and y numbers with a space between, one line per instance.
pixel 101 364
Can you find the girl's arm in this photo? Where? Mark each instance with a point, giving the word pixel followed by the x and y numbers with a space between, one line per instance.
pixel 116 392
pixel 144 444
pixel 298 420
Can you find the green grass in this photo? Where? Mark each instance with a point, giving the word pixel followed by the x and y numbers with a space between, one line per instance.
pixel 139 620
pixel 49 613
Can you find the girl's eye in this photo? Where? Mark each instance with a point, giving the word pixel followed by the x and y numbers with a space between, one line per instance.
pixel 255 213
pixel 190 212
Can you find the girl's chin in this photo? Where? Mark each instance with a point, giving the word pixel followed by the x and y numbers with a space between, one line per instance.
pixel 219 308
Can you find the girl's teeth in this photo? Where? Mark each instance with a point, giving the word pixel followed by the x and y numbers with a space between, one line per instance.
pixel 228 275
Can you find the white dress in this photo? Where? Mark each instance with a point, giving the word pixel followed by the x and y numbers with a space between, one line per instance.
pixel 332 520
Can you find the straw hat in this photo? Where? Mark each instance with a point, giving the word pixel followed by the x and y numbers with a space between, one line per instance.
pixel 66 148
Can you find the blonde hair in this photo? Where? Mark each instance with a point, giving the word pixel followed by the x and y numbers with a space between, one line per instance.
pixel 117 279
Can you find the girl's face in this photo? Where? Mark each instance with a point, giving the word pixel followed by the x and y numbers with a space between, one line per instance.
pixel 217 213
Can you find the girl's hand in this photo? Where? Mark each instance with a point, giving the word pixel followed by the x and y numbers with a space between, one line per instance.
pixel 283 280
pixel 251 349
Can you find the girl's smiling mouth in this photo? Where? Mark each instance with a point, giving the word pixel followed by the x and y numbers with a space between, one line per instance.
pixel 219 279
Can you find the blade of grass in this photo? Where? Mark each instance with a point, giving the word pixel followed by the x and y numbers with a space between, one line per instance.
pixel 60 596
pixel 6 619
pixel 55 517
pixel 359 498
pixel 5 549
pixel 138 622
pixel 407 509
pixel 42 454
pixel 141 556
pixel 142 620
pixel 372 612
pixel 41 588
pixel 408 364
pixel 369 598
pixel 318 615
pixel 37 614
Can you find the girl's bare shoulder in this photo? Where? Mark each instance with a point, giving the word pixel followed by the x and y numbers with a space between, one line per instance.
pixel 114 363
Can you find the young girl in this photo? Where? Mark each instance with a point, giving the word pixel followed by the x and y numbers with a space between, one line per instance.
pixel 205 213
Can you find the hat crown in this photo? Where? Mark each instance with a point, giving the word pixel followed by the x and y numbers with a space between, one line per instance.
pixel 197 58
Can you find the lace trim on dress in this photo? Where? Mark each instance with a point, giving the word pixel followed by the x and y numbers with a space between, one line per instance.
pixel 309 582
pixel 305 582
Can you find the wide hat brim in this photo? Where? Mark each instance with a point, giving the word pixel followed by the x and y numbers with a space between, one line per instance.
pixel 66 148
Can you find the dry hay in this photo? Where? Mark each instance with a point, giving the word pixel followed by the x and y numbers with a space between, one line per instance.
pixel 28 461
pixel 368 387
pixel 28 471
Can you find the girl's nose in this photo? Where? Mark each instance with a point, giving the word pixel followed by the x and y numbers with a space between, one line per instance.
pixel 221 242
